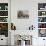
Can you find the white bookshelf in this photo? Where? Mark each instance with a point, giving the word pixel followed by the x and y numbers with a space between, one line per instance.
pixel 41 19
pixel 4 36
pixel 42 13
pixel 3 10
pixel 42 10
pixel 3 16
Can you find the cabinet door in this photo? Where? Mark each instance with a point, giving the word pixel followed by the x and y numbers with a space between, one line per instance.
pixel 41 41
pixel 3 20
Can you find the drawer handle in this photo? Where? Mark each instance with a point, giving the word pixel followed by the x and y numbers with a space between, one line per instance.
pixel 1 39
pixel 43 39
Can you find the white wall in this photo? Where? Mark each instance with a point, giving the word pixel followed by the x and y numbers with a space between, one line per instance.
pixel 23 24
pixel 31 6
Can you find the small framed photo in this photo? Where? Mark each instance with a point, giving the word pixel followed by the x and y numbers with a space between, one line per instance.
pixel 42 33
pixel 23 14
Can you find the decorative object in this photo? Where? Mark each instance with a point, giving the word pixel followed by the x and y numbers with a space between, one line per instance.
pixel 3 19
pixel 41 6
pixel 13 27
pixel 23 14
pixel 42 32
pixel 3 13
pixel 42 25
pixel 31 27
pixel 23 40
pixel 26 38
pixel 6 7
pixel 43 13
pixel 4 29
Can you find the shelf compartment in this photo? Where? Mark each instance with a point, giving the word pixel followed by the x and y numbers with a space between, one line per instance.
pixel 4 29
pixel 42 32
pixel 41 13
pixel 41 19
pixel 3 13
pixel 4 32
pixel 3 19
pixel 41 25
pixel 3 6
pixel 3 26
pixel 41 6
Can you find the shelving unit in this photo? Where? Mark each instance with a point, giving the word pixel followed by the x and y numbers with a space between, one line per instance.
pixel 42 19
pixel 4 19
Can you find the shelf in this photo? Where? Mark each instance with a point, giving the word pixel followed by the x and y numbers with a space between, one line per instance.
pixel 41 28
pixel 41 10
pixel 3 16
pixel 3 22
pixel 3 10
pixel 42 16
pixel 41 22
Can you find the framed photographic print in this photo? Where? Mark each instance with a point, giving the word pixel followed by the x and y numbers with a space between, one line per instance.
pixel 23 14
pixel 42 33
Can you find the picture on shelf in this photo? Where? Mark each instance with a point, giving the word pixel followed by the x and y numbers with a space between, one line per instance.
pixel 41 19
pixel 6 7
pixel 41 13
pixel 41 25
pixel 42 32
pixel 3 13
pixel 3 6
pixel 4 29
pixel 3 26
pixel 23 14
pixel 3 19
pixel 41 6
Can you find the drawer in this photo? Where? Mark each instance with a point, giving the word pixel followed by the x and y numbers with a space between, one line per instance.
pixel 3 41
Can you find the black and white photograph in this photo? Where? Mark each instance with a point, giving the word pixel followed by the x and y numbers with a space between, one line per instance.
pixel 23 14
